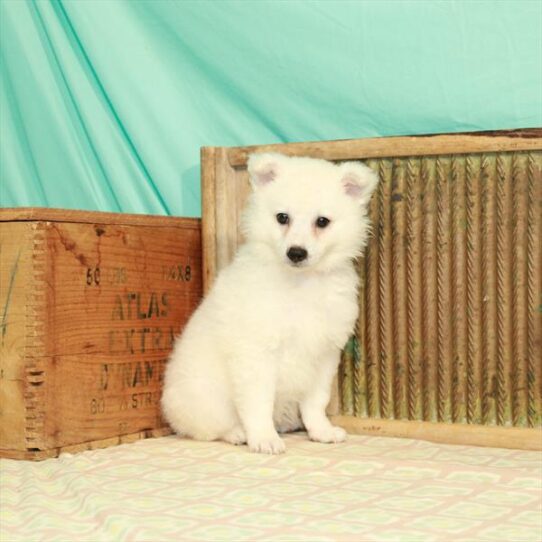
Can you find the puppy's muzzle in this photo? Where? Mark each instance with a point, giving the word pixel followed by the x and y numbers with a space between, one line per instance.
pixel 297 254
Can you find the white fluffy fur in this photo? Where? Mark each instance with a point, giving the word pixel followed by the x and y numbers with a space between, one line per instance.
pixel 260 353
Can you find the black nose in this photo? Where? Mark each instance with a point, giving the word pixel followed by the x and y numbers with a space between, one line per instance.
pixel 297 254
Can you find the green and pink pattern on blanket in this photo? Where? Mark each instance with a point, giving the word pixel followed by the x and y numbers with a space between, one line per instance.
pixel 370 489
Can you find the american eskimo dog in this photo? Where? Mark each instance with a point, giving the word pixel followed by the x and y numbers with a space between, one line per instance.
pixel 259 355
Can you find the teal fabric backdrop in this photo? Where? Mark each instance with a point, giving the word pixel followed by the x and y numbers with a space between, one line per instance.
pixel 105 104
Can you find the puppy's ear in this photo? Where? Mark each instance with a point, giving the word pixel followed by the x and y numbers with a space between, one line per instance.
pixel 359 181
pixel 263 168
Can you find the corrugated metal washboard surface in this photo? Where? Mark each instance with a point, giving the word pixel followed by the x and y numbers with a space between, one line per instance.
pixel 449 326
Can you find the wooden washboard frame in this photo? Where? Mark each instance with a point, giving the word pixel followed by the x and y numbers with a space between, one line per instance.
pixel 448 343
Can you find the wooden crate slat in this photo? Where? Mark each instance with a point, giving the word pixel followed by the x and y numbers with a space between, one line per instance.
pixel 91 305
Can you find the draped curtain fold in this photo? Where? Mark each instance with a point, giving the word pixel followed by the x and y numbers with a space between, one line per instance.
pixel 104 104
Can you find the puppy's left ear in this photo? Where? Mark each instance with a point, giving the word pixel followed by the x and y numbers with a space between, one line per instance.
pixel 359 181
pixel 263 168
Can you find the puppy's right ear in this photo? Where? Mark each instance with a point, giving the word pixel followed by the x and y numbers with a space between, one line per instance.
pixel 262 168
pixel 359 181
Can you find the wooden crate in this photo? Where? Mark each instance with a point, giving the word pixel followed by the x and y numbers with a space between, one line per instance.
pixel 448 342
pixel 90 305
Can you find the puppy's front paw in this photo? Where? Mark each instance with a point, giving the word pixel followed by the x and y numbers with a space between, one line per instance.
pixel 328 434
pixel 271 444
pixel 235 436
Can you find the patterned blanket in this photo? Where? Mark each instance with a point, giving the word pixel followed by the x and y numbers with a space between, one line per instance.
pixel 367 489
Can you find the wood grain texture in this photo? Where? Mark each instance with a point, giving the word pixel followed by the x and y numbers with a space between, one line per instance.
pixel 386 147
pixel 46 214
pixel 102 305
pixel 227 218
pixel 39 455
pixel 16 281
pixel 208 213
pixel 450 323
pixel 447 433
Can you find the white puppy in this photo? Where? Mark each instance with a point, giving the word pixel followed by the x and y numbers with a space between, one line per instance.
pixel 260 353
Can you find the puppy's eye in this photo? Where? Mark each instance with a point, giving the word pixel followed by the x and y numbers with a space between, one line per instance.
pixel 322 222
pixel 283 218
